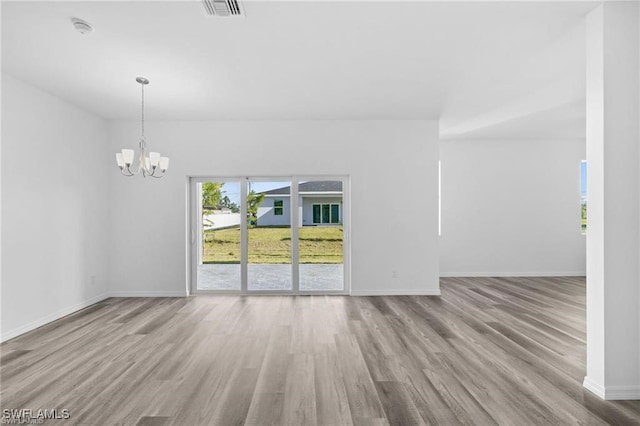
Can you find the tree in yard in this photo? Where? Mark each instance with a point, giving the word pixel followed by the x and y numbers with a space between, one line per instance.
pixel 226 202
pixel 211 197
pixel 253 201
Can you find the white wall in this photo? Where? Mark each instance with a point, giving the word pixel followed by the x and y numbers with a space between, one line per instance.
pixel 54 208
pixel 222 220
pixel 266 215
pixel 395 159
pixel 511 207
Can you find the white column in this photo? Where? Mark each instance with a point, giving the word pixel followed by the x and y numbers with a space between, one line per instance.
pixel 613 234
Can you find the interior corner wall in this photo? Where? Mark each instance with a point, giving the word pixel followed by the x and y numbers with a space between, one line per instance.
pixel 54 208
pixel 392 167
pixel 511 208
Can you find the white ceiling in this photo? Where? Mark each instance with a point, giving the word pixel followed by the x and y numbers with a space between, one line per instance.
pixel 493 69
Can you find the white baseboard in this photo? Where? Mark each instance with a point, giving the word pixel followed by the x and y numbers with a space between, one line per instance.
pixel 182 293
pixel 621 393
pixel 593 387
pixel 50 318
pixel 434 292
pixel 612 393
pixel 512 274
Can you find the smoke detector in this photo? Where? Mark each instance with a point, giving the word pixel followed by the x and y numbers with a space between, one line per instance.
pixel 222 7
pixel 83 27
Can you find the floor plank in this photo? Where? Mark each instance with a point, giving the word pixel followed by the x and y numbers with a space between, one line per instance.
pixel 488 351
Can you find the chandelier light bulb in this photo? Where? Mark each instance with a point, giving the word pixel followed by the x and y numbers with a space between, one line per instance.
pixel 154 159
pixel 127 156
pixel 164 163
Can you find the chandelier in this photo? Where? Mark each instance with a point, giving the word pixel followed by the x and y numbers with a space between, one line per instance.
pixel 149 163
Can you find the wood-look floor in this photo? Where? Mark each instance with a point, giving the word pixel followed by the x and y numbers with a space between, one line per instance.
pixel 489 351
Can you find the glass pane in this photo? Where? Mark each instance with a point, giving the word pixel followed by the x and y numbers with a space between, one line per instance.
pixel 219 260
pixel 335 213
pixel 320 247
pixel 269 236
pixel 278 207
pixel 325 213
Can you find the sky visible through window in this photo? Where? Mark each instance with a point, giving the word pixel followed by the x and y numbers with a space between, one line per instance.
pixel 232 189
pixel 583 178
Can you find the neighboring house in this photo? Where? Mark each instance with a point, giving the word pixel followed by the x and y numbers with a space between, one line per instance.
pixel 319 204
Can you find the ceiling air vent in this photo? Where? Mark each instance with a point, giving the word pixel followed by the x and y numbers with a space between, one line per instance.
pixel 222 7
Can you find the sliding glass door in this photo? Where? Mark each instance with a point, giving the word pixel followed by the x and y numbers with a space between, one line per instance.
pixel 219 219
pixel 269 235
pixel 321 235
pixel 257 235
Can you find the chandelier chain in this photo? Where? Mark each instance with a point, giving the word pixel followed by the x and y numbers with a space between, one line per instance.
pixel 142 110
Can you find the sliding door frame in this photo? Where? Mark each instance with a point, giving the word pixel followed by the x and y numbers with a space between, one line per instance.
pixel 294 238
pixel 195 233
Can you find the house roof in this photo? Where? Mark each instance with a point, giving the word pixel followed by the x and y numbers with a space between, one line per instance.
pixel 312 186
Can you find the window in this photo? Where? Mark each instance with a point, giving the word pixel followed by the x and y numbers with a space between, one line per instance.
pixel 278 207
pixel 583 196
pixel 326 209
pixel 326 213
pixel 335 213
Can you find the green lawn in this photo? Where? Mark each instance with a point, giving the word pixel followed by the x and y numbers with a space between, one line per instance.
pixel 273 245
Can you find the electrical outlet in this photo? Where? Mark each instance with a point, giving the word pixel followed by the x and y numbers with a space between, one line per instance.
pixel 92 281
pixel 394 273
